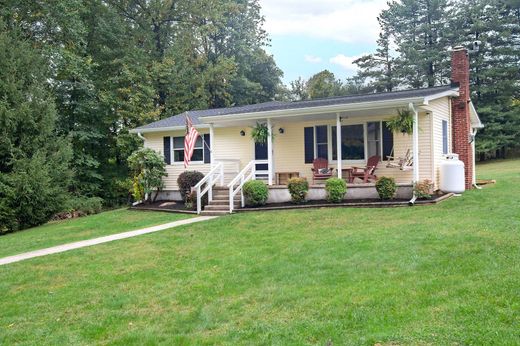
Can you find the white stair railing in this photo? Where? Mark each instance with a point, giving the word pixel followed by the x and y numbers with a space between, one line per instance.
pixel 216 173
pixel 248 173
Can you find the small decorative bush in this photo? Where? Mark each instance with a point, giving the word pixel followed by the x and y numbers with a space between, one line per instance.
pixel 148 169
pixel 186 180
pixel 255 193
pixel 386 188
pixel 336 189
pixel 78 206
pixel 423 189
pixel 298 188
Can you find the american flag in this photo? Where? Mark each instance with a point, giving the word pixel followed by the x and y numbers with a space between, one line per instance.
pixel 189 141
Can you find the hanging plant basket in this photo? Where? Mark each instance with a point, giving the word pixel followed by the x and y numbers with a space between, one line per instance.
pixel 402 122
pixel 260 133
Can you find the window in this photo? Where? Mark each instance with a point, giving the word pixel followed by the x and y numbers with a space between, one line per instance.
pixel 444 137
pixel 374 138
pixel 388 140
pixel 352 142
pixel 322 145
pixel 178 150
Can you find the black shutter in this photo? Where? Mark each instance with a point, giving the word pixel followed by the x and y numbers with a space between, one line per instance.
pixel 207 151
pixel 167 150
pixel 388 141
pixel 309 144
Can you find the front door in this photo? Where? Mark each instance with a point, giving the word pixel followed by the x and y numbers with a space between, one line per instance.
pixel 261 154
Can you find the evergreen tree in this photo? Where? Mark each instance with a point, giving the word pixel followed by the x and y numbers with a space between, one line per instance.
pixel 34 173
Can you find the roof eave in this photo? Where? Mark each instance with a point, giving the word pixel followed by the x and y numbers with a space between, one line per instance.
pixel 164 129
pixel 314 110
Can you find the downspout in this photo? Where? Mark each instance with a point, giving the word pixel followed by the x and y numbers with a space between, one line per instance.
pixel 415 142
pixel 473 136
pixel 140 136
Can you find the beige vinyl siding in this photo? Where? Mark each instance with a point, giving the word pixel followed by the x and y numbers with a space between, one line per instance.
pixel 229 145
pixel 288 156
pixel 441 110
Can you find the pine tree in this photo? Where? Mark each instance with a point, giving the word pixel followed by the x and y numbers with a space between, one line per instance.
pixel 34 172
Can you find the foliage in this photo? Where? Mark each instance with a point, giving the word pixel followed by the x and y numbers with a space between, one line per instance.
pixel 148 169
pixel 336 189
pixel 386 188
pixel 402 122
pixel 322 84
pixel 186 180
pixel 34 159
pixel 260 133
pixel 423 189
pixel 298 188
pixel 84 205
pixel 255 192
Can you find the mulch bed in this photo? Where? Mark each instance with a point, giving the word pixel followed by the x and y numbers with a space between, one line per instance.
pixel 360 203
pixel 177 207
pixel 167 206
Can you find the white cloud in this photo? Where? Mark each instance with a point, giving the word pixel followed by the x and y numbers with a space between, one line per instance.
pixel 351 21
pixel 346 62
pixel 313 59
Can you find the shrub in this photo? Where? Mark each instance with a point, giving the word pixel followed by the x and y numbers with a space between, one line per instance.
pixel 148 168
pixel 298 188
pixel 423 189
pixel 84 205
pixel 386 188
pixel 186 181
pixel 336 189
pixel 255 192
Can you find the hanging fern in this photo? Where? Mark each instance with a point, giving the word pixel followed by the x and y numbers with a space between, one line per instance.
pixel 402 122
pixel 260 133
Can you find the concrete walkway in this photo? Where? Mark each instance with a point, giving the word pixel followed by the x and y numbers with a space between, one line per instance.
pixel 100 240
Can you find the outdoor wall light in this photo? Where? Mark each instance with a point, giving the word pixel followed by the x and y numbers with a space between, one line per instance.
pixel 281 130
pixel 242 133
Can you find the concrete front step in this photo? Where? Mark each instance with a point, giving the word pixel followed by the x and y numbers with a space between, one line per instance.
pixel 214 212
pixel 224 202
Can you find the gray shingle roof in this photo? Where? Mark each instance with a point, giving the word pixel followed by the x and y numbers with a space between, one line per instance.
pixel 179 120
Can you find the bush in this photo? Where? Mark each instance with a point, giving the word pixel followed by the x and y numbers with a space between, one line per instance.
pixel 386 188
pixel 255 192
pixel 423 189
pixel 85 205
pixel 186 181
pixel 298 188
pixel 148 170
pixel 336 189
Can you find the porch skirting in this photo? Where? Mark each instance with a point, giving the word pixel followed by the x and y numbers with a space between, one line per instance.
pixel 280 193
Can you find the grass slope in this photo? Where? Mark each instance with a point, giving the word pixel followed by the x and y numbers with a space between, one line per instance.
pixel 66 231
pixel 444 274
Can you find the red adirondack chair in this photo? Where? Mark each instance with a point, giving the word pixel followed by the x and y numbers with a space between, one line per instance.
pixel 321 170
pixel 366 173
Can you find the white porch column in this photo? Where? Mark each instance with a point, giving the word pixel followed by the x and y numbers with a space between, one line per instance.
pixel 415 141
pixel 211 142
pixel 269 153
pixel 338 144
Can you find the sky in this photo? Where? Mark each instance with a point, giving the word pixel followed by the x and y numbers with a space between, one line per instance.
pixel 308 36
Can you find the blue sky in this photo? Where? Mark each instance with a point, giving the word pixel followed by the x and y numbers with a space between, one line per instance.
pixel 310 36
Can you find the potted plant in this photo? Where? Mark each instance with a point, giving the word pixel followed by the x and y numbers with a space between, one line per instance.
pixel 402 122
pixel 260 133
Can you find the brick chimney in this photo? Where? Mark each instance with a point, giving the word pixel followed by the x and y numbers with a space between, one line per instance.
pixel 461 126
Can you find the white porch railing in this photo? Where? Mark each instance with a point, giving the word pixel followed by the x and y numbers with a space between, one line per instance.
pixel 248 173
pixel 215 174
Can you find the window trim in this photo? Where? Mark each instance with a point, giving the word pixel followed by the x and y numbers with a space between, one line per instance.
pixel 172 151
pixel 447 137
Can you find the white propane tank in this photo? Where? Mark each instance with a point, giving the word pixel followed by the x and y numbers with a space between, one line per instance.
pixel 452 177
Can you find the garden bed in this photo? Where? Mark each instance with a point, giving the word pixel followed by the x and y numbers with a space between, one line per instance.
pixel 166 206
pixel 360 203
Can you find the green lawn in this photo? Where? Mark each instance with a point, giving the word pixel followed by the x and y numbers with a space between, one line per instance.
pixel 66 231
pixel 447 274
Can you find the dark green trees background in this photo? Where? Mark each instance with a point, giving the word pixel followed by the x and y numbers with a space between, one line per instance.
pixel 413 52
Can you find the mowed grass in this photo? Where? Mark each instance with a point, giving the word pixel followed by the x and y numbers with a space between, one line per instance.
pixel 66 231
pixel 432 275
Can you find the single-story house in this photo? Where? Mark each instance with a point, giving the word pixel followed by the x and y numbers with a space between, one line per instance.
pixel 351 128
